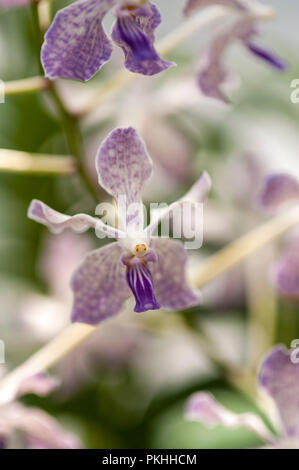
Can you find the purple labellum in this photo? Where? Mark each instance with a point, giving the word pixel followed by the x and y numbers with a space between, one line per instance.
pixel 140 281
pixel 138 42
pixel 267 56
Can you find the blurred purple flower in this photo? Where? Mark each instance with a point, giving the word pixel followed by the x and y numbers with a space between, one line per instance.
pixel 32 427
pixel 279 191
pixel 108 276
pixel 76 45
pixel 213 75
pixel 278 379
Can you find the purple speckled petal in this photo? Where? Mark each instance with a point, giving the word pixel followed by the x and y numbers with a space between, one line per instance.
pixel 134 33
pixel 99 285
pixel 196 194
pixel 267 56
pixel 286 272
pixel 58 222
pixel 39 384
pixel 123 166
pixel 203 407
pixel 76 45
pixel 279 377
pixel 193 5
pixel 279 190
pixel 170 285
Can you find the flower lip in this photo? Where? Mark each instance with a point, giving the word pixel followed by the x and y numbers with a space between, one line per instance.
pixel 140 281
pixel 134 37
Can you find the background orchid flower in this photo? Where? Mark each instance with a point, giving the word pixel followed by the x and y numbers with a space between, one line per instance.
pixel 278 379
pixel 279 191
pixel 212 74
pixel 76 45
pixel 31 427
pixel 150 268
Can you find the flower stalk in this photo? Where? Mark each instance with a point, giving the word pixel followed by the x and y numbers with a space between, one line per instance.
pixel 242 248
pixel 26 85
pixel 13 161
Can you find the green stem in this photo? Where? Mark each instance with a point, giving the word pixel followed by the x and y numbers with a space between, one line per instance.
pixel 39 32
pixel 74 139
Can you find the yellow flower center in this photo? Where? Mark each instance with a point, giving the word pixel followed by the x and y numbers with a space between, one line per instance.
pixel 140 249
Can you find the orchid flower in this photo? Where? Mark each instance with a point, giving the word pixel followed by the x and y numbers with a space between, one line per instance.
pixel 150 268
pixel 212 74
pixel 76 45
pixel 32 427
pixel 278 379
pixel 279 191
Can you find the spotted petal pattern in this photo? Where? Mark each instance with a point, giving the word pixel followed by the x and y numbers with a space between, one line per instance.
pixel 123 167
pixel 99 285
pixel 279 376
pixel 170 285
pixel 134 33
pixel 76 45
pixel 205 408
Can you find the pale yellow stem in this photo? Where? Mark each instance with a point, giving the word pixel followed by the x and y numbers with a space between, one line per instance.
pixel 262 305
pixel 239 250
pixel 208 270
pixel 64 343
pixel 27 85
pixel 24 162
pixel 44 14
